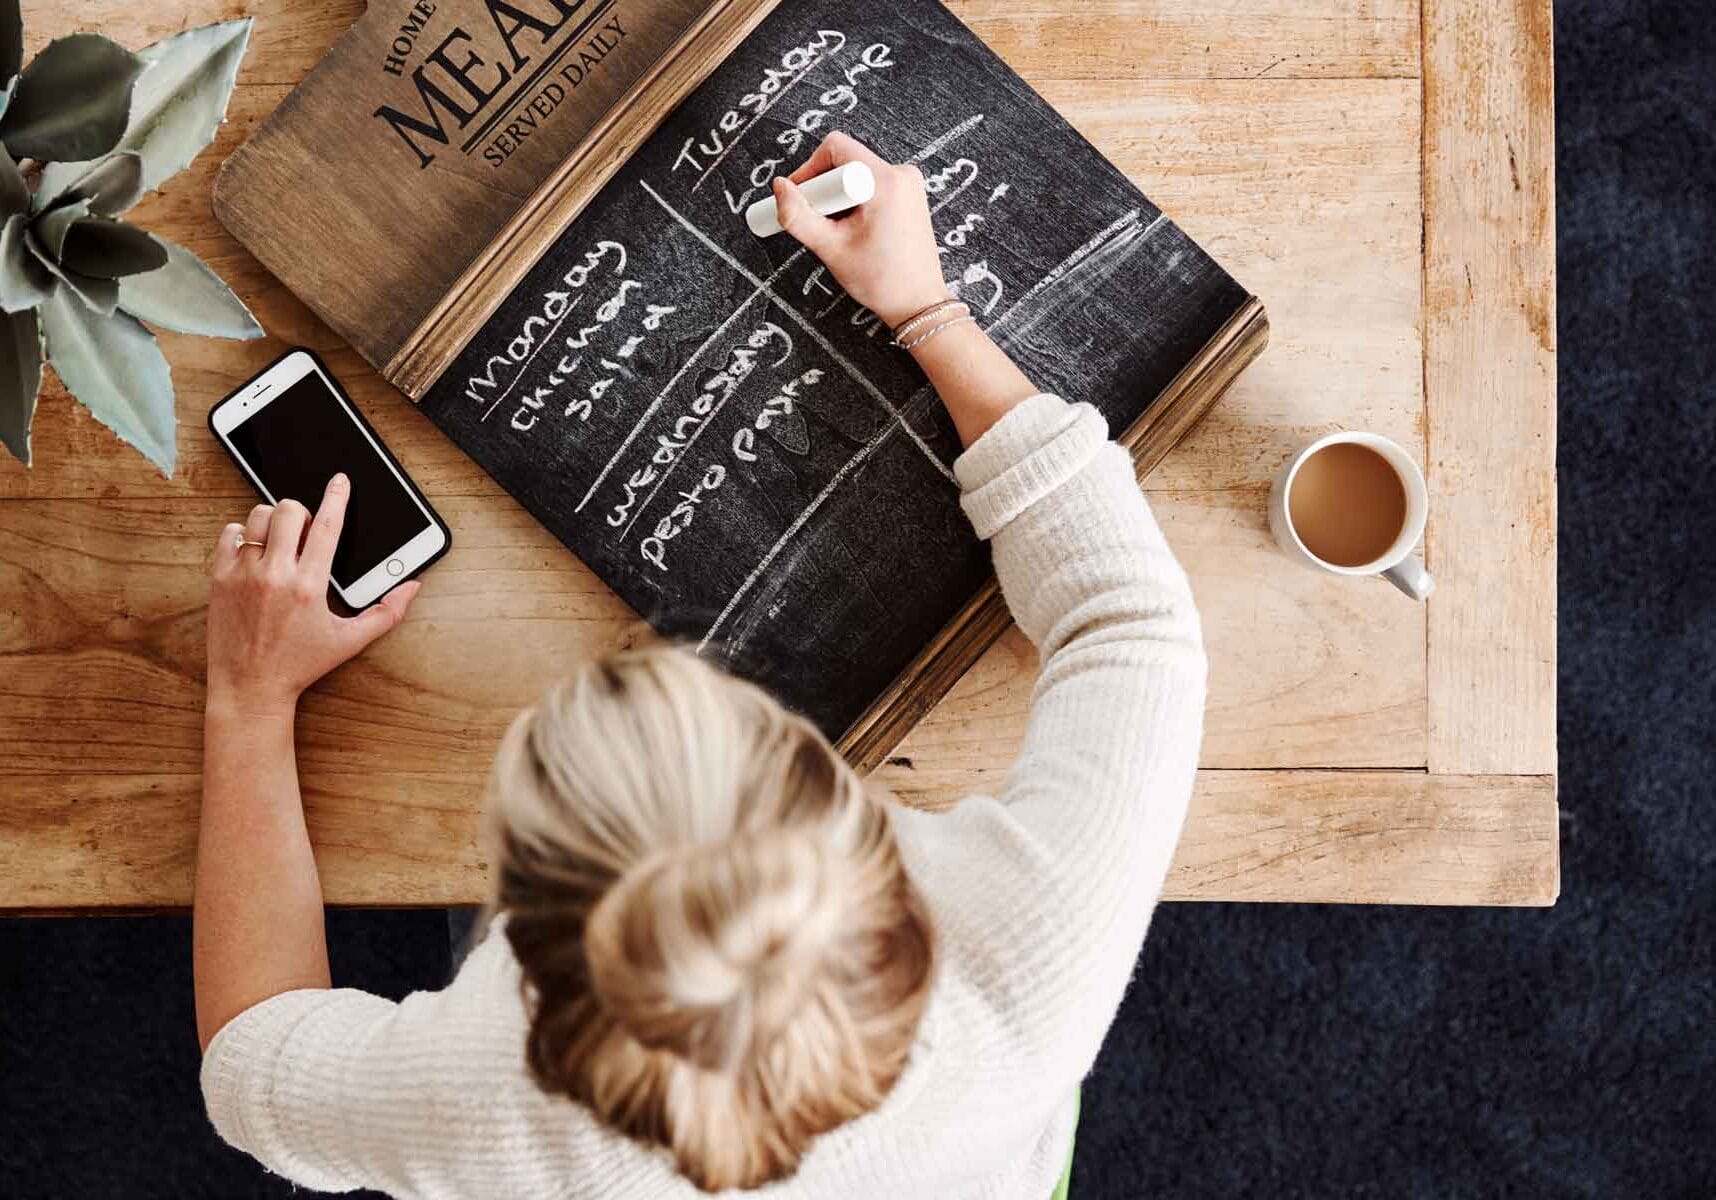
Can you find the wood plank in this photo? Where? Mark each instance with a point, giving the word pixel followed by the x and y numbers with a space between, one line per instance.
pixel 1117 39
pixel 1167 39
pixel 101 652
pixel 128 842
pixel 1364 838
pixel 1489 283
pixel 1220 157
pixel 1337 837
pixel 1310 194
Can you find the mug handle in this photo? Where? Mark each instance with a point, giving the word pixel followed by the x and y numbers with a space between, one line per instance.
pixel 1410 577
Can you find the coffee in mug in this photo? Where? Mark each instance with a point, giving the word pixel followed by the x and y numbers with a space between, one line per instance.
pixel 1354 504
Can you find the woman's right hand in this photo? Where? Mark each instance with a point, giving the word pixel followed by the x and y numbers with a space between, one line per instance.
pixel 270 631
pixel 884 252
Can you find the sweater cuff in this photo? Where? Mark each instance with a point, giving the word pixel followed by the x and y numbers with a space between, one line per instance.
pixel 1034 449
pixel 238 1065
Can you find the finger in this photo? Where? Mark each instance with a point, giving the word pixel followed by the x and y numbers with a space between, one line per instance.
pixel 226 549
pixel 256 525
pixel 837 150
pixel 381 617
pixel 910 178
pixel 324 535
pixel 820 162
pixel 814 231
pixel 285 531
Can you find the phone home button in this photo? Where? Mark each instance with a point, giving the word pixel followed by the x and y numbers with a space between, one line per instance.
pixel 395 567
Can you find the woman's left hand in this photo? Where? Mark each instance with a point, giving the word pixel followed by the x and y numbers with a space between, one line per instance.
pixel 271 633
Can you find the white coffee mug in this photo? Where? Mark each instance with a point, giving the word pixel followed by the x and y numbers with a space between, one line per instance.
pixel 1396 564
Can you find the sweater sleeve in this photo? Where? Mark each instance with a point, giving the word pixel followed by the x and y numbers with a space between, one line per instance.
pixel 1082 833
pixel 339 1089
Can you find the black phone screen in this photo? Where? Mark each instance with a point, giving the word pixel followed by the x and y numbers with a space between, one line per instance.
pixel 298 440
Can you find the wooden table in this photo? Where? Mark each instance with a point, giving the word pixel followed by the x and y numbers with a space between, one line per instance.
pixel 1379 171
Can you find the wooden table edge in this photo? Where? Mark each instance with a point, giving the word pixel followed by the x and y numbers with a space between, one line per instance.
pixel 1275 836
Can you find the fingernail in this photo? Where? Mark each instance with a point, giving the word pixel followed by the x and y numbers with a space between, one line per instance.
pixel 339 481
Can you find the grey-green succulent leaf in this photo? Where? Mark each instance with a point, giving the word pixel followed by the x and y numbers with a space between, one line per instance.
pixel 73 101
pixel 52 226
pixel 179 103
pixel 186 297
pixel 14 188
pixel 98 295
pixel 108 249
pixel 113 366
pixel 24 282
pixel 11 40
pixel 20 380
pixel 111 186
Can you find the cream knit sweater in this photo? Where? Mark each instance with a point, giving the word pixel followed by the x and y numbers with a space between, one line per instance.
pixel 1040 897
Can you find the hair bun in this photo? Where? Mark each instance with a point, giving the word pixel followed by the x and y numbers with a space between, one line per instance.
pixel 710 951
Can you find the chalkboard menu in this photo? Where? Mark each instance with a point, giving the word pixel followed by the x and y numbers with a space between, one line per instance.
pixel 731 442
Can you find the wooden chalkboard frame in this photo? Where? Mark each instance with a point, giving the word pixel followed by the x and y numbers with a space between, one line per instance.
pixel 562 197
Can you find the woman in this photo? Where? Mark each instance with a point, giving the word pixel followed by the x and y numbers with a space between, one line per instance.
pixel 717 960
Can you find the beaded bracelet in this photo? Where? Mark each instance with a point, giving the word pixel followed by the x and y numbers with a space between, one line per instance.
pixel 925 314
pixel 967 319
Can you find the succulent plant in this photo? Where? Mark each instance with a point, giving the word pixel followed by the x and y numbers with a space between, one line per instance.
pixel 93 127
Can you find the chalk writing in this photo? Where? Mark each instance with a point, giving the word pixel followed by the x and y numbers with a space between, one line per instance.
pixel 716 389
pixel 795 64
pixel 539 328
pixel 780 418
pixel 654 548
pixel 841 99
pixel 706 154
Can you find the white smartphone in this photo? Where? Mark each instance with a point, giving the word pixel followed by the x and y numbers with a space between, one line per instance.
pixel 290 430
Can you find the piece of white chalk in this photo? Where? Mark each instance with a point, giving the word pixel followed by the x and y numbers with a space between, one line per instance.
pixel 834 192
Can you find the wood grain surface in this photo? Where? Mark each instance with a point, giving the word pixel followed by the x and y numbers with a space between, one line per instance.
pixel 402 840
pixel 1303 178
pixel 1489 286
pixel 1089 39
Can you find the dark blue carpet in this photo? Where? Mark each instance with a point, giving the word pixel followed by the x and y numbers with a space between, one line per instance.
pixel 1287 1051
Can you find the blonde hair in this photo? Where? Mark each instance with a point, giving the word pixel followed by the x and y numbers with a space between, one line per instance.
pixel 722 951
